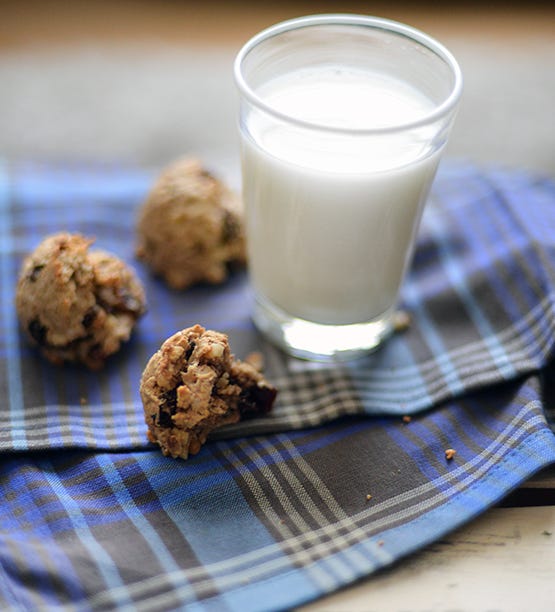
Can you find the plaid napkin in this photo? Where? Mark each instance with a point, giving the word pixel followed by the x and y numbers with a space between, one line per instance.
pixel 346 476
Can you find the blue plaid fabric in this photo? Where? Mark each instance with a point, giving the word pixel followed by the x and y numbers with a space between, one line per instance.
pixel 274 512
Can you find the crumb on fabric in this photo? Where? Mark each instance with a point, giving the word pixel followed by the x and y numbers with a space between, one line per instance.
pixel 401 320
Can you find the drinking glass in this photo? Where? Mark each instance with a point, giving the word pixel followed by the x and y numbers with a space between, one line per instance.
pixel 343 119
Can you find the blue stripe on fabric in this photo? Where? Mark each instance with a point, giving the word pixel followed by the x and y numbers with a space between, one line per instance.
pixel 465 415
pixel 197 477
pixel 274 593
pixel 466 424
pixel 182 502
pixel 506 191
pixel 133 372
pixel 16 564
pixel 34 553
pixel 455 274
pixel 427 441
pixel 7 594
pixel 416 452
pixel 329 569
pixel 371 398
pixel 105 402
pixel 519 239
pixel 94 398
pixel 527 335
pixel 29 514
pixel 135 515
pixel 542 322
pixel 123 429
pixel 9 317
pixel 55 185
pixel 98 554
pixel 433 338
pixel 42 512
pixel 519 188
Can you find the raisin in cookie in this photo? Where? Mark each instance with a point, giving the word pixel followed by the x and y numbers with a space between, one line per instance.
pixel 190 227
pixel 193 385
pixel 77 304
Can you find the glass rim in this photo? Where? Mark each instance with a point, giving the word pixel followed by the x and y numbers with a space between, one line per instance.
pixel 395 27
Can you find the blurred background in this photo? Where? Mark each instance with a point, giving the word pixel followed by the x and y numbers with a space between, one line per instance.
pixel 143 82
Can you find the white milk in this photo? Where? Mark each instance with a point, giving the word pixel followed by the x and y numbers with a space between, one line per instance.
pixel 331 217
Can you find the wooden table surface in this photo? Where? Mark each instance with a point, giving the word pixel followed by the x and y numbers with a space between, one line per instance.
pixel 503 561
pixel 222 23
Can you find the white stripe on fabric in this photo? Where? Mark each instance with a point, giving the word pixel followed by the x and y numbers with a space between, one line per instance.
pixel 327 498
pixel 73 410
pixel 321 578
pixel 479 319
pixel 305 500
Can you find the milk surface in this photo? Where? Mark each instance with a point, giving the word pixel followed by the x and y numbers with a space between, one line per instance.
pixel 331 214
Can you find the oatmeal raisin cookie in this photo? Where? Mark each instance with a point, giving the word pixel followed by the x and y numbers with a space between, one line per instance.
pixel 193 385
pixel 77 304
pixel 190 228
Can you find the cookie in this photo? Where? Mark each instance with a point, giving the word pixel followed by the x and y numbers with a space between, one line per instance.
pixel 193 385
pixel 190 228
pixel 76 304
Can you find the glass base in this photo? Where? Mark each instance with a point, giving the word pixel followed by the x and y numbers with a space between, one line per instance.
pixel 319 342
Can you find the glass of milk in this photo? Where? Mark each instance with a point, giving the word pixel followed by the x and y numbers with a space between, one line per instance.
pixel 343 119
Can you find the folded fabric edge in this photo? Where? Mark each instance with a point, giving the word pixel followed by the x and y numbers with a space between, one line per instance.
pixel 311 581
pixel 126 430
